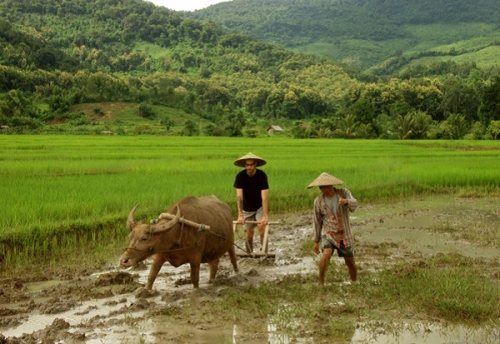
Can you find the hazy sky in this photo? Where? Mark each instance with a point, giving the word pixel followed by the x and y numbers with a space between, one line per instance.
pixel 185 5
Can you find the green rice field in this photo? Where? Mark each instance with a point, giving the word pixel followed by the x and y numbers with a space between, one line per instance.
pixel 77 185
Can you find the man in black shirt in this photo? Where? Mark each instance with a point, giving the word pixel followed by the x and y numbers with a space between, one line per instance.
pixel 251 194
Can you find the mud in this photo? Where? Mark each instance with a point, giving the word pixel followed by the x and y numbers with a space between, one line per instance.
pixel 112 307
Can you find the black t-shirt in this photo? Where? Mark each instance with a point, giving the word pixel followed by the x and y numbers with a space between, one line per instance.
pixel 252 187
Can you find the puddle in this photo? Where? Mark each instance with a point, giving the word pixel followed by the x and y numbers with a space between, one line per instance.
pixel 425 333
pixel 407 225
pixel 76 316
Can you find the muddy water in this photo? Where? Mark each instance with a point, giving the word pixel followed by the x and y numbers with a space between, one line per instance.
pixel 95 312
pixel 426 333
pixel 406 223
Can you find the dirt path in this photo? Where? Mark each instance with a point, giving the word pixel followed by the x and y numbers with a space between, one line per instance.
pixel 110 307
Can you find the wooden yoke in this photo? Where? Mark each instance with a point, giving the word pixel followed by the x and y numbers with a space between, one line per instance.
pixel 263 252
pixel 169 216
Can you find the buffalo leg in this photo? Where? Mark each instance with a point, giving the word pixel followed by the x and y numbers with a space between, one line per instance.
pixel 232 257
pixel 213 265
pixel 195 274
pixel 153 272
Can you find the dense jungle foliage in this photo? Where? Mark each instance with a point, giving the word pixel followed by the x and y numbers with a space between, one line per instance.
pixel 383 36
pixel 187 77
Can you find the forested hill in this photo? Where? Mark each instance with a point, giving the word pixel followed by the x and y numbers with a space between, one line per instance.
pixel 365 33
pixel 56 54
pixel 66 66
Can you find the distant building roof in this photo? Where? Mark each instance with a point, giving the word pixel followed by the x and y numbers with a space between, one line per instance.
pixel 274 127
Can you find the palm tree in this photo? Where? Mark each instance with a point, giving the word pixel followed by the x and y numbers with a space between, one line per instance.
pixel 323 133
pixel 403 126
pixel 422 124
pixel 347 127
pixel 365 130
pixel 494 129
pixel 456 126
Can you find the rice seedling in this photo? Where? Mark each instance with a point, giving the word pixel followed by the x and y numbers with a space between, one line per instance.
pixel 448 287
pixel 57 185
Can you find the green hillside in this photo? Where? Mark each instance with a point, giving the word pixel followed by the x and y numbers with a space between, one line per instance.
pixel 55 55
pixel 364 33
pixel 71 66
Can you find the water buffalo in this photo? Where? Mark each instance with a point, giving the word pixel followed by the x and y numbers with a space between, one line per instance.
pixel 177 242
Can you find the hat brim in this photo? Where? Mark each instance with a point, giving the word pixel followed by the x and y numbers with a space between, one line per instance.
pixel 325 179
pixel 241 162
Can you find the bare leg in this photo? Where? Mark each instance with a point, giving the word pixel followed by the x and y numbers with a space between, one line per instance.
pixel 249 240
pixel 153 272
pixel 353 269
pixel 323 264
pixel 261 229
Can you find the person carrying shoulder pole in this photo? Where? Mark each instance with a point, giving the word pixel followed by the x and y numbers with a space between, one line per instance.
pixel 331 224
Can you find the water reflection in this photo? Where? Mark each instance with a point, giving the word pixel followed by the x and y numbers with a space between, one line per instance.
pixel 428 333
pixel 273 336
pixel 383 333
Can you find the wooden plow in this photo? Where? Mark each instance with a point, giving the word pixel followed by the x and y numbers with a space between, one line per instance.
pixel 263 252
pixel 201 227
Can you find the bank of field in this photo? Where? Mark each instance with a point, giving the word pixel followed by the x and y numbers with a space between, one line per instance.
pixel 57 190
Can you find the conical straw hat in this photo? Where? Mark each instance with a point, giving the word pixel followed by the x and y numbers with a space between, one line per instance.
pixel 241 161
pixel 325 179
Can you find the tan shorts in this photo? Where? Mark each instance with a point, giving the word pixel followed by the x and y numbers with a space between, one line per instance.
pixel 252 216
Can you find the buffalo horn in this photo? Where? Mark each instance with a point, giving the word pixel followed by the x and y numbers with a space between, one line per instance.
pixel 167 225
pixel 130 219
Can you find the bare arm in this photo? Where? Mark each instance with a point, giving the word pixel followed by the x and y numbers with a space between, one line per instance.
pixel 239 204
pixel 264 195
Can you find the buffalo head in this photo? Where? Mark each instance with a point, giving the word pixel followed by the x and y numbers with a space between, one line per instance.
pixel 143 238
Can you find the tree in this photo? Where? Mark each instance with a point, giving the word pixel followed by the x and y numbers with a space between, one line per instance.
pixel 291 108
pixel 459 97
pixel 490 107
pixel 365 131
pixel 363 110
pixel 347 127
pixel 323 133
pixel 274 103
pixel 403 126
pixel 494 129
pixel 167 122
pixel 422 123
pixel 399 107
pixel 145 110
pixel 301 131
pixel 46 59
pixel 456 126
pixel 235 124
pixel 190 128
